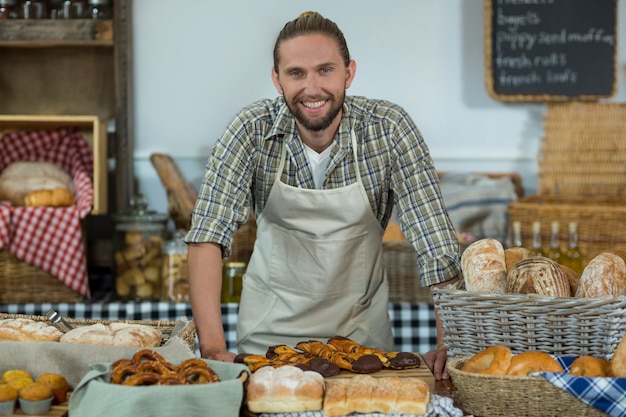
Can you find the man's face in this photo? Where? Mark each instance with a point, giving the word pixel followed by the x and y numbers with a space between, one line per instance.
pixel 313 79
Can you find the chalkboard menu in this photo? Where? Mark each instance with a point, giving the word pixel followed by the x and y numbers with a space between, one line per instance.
pixel 550 50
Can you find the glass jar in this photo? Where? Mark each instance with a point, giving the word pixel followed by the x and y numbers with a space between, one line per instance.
pixel 175 276
pixel 138 245
pixel 232 281
pixel 99 9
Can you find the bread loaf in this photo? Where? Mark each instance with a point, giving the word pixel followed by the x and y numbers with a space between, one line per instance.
pixel 538 275
pixel 515 254
pixel 572 277
pixel 286 389
pixel 27 330
pixel 366 394
pixel 484 267
pixel 23 177
pixel 114 334
pixel 617 367
pixel 604 276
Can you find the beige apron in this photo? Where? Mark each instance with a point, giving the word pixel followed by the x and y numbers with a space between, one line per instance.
pixel 316 270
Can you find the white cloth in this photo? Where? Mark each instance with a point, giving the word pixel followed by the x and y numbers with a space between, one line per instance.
pixel 316 270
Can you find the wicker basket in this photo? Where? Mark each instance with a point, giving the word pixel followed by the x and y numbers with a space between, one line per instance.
pixel 24 283
pixel 187 333
pixel 558 326
pixel 401 265
pixel 512 396
pixel 601 221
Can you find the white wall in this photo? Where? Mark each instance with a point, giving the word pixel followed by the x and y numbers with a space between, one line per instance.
pixel 197 62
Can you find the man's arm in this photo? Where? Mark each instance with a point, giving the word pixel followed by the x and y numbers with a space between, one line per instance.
pixel 205 281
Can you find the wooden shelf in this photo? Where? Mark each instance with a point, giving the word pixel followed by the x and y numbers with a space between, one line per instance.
pixel 21 33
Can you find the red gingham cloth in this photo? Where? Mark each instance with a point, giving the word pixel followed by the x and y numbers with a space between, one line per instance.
pixel 50 238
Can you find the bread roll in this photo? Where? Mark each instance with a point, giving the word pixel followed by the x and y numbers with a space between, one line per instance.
pixel 59 197
pixel 484 267
pixel 515 254
pixel 22 177
pixel 286 389
pixel 114 334
pixel 366 394
pixel 27 330
pixel 617 367
pixel 604 276
pixel 572 277
pixel 538 275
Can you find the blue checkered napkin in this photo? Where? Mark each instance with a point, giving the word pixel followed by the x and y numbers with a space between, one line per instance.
pixel 606 394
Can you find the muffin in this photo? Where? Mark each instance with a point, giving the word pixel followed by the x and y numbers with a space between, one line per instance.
pixel 8 395
pixel 12 374
pixel 57 383
pixel 19 383
pixel 35 398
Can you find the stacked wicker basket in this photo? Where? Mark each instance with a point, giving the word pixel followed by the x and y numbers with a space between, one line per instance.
pixel 582 167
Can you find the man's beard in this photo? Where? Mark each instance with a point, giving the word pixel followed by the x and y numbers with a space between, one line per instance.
pixel 316 125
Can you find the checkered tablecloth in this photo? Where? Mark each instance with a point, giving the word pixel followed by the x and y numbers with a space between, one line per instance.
pixel 413 324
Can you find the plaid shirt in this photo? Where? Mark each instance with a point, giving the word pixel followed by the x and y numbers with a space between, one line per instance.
pixel 394 161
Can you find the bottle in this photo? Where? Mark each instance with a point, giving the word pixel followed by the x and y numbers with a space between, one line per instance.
pixel 8 9
pixel 574 255
pixel 99 9
pixel 73 9
pixel 34 9
pixel 554 251
pixel 536 248
pixel 517 234
pixel 232 281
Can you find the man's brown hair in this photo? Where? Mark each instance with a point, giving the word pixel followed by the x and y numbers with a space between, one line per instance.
pixel 309 23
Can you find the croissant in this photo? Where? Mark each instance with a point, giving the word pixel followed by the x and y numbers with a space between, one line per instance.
pixel 392 360
pixel 57 197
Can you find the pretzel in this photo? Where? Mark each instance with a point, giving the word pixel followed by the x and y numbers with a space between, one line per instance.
pixel 154 367
pixel 199 375
pixel 122 372
pixel 148 355
pixel 144 378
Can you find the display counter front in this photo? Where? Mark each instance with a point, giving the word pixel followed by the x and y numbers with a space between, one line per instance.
pixel 413 324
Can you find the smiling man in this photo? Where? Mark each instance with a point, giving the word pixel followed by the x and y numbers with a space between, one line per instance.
pixel 322 173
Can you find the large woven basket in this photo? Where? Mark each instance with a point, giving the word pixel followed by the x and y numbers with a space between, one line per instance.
pixel 512 396
pixel 401 266
pixel 601 220
pixel 24 283
pixel 558 326
pixel 187 333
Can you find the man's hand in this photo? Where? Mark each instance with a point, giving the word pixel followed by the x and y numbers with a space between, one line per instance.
pixel 218 354
pixel 436 362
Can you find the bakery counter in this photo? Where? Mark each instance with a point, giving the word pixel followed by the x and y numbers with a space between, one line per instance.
pixel 413 323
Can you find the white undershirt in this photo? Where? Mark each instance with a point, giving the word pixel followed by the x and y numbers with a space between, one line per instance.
pixel 318 163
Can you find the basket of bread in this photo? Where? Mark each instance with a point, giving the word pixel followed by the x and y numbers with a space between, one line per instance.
pixel 529 302
pixel 499 382
pixel 46 190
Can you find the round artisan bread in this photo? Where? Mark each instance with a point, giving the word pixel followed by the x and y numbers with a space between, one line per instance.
pixel 538 275
pixel 484 267
pixel 27 330
pixel 23 177
pixel 114 334
pixel 604 276
pixel 572 277
pixel 515 254
pixel 286 389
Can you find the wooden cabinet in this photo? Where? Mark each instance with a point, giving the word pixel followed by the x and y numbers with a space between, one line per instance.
pixel 63 67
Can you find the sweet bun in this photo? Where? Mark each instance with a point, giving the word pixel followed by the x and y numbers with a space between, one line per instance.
pixel 35 392
pixel 484 267
pixel 57 384
pixel 617 367
pixel 22 177
pixel 285 389
pixel 27 330
pixel 526 363
pixel 494 360
pixel 538 275
pixel 58 197
pixel 604 276
pixel 589 366
pixel 515 254
pixel 114 334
